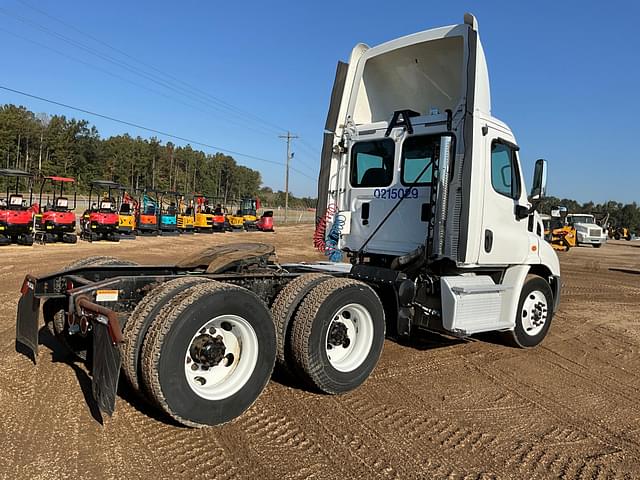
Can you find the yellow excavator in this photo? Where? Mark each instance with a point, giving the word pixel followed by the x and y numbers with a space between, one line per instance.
pixel 202 213
pixel 246 216
pixel 185 219
pixel 126 215
pixel 557 231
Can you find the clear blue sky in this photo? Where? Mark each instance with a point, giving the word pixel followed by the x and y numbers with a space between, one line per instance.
pixel 564 75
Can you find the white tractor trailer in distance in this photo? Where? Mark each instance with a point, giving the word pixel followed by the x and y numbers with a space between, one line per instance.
pixel 420 189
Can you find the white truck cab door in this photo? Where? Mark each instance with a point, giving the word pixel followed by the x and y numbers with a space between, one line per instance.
pixel 505 239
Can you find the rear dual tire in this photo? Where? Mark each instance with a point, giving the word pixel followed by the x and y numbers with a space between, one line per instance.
pixel 209 354
pixel 337 333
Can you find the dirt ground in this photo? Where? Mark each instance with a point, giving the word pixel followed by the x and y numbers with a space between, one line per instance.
pixel 435 409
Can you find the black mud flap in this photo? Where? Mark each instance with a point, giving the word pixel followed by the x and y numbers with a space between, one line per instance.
pixel 27 321
pixel 106 368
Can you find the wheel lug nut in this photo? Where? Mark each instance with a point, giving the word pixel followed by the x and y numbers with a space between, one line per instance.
pixel 194 366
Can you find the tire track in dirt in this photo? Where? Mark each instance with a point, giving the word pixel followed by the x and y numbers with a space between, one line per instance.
pixel 179 451
pixel 38 412
pixel 347 458
pixel 614 380
pixel 372 455
pixel 447 426
pixel 601 438
pixel 279 430
pixel 422 433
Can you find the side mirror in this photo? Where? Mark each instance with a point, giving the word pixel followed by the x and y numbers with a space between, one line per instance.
pixel 539 188
pixel 563 212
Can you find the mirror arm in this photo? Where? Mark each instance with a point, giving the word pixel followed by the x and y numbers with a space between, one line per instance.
pixel 534 205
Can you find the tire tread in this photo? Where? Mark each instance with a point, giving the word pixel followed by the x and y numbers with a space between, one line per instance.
pixel 284 309
pixel 314 374
pixel 154 339
pixel 132 332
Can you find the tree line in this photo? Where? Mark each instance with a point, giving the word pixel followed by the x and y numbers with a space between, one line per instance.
pixel 45 144
pixel 55 145
pixel 620 215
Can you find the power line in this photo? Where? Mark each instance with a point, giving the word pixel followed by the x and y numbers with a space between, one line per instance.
pixel 127 80
pixel 138 72
pixel 313 156
pixel 107 72
pixel 135 70
pixel 309 146
pixel 122 52
pixel 202 96
pixel 239 113
pixel 152 130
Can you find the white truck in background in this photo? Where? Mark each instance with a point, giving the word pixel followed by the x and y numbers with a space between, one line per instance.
pixel 588 232
pixel 423 192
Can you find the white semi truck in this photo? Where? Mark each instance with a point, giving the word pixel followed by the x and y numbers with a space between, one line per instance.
pixel 588 232
pixel 423 194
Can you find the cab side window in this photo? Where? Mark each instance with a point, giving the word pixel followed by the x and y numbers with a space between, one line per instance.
pixel 418 153
pixel 505 176
pixel 372 163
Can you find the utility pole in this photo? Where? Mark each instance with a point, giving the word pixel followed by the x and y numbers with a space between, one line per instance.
pixel 289 137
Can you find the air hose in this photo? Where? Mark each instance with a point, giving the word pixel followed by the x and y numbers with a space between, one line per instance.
pixel 328 243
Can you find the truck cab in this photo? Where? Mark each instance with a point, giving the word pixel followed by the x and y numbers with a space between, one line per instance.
pixel 423 179
pixel 588 232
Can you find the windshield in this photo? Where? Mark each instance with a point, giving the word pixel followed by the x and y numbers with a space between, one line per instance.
pixel 582 219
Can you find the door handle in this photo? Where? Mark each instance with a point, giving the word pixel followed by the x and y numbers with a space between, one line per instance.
pixel 488 240
pixel 364 213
